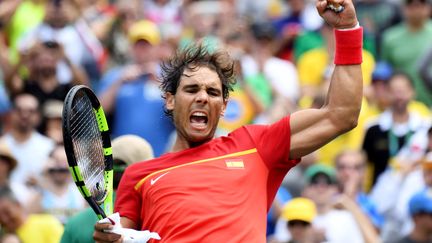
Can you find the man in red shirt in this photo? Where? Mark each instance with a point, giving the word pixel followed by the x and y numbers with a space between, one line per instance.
pixel 219 189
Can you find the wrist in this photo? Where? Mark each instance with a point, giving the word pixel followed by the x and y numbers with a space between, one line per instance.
pixel 349 46
pixel 357 25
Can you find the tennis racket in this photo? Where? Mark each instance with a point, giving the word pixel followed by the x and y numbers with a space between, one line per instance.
pixel 88 148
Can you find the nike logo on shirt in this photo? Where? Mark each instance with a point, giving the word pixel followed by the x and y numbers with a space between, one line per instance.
pixel 153 181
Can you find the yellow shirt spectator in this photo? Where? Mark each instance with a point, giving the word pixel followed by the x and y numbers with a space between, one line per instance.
pixel 40 228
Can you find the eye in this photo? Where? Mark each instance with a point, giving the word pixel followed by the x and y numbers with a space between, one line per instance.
pixel 214 92
pixel 190 90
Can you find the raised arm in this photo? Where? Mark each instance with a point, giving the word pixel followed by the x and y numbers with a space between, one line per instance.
pixel 313 128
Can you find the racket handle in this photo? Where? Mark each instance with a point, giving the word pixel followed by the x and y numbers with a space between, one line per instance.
pixel 335 6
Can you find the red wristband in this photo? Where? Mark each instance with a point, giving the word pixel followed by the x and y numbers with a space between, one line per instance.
pixel 349 44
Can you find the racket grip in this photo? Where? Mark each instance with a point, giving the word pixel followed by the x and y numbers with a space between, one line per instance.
pixel 335 6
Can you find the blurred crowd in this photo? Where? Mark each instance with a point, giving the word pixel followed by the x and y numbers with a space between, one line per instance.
pixel 373 184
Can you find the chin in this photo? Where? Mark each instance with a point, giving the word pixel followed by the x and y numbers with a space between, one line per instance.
pixel 200 137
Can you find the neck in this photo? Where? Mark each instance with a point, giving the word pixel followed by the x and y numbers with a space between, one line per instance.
pixel 21 136
pixel 400 117
pixel 323 208
pixel 48 83
pixel 182 144
pixel 416 26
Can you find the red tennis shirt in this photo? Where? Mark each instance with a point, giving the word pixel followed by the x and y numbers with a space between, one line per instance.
pixel 217 192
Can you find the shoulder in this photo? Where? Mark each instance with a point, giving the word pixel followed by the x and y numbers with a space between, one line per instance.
pixel 394 33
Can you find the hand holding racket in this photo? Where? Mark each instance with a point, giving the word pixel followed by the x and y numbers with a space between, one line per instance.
pixel 88 148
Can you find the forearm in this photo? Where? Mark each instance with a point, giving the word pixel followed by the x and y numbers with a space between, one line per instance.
pixel 345 95
pixel 367 229
pixel 107 98
pixel 78 74
pixel 7 9
pixel 346 87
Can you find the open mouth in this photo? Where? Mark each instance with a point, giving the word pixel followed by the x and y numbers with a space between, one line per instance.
pixel 198 119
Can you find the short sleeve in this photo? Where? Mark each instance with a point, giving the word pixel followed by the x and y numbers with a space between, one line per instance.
pixel 273 143
pixel 128 201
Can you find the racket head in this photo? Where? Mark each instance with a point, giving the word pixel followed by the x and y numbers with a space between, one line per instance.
pixel 88 148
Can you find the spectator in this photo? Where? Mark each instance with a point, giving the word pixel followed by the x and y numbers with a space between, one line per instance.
pixel 43 82
pixel 350 174
pixel 376 16
pixel 270 77
pixel 29 147
pixel 400 182
pixel 26 15
pixel 80 45
pixel 131 93
pixel 299 214
pixel 57 195
pixel 52 112
pixel 420 209
pixel 127 149
pixel 29 228
pixel 379 99
pixel 389 132
pixel 7 165
pixel 301 17
pixel 333 209
pixel 166 14
pixel 405 44
pixel 117 43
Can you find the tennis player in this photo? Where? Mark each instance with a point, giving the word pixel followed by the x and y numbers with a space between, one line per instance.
pixel 219 189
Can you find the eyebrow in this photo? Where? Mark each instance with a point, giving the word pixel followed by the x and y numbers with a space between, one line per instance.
pixel 196 86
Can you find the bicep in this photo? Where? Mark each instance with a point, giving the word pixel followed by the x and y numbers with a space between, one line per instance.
pixel 310 130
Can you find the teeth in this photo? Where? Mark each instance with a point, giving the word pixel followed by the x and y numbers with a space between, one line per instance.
pixel 198 114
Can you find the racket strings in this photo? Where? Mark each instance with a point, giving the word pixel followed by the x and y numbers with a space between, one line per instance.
pixel 88 146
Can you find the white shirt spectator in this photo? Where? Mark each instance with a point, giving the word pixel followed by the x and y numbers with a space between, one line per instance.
pixel 31 156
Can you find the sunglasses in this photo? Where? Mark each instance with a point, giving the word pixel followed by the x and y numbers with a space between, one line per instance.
pixel 321 179
pixel 301 223
pixel 408 2
pixel 58 170
pixel 353 167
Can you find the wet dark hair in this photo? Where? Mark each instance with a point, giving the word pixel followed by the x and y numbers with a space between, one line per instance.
pixel 192 58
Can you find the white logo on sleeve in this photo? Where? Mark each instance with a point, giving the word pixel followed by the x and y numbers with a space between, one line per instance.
pixel 153 181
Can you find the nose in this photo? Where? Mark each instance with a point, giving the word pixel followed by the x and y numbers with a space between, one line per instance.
pixel 202 97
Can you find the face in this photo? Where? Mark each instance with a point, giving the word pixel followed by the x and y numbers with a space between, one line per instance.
pixel 320 190
pixel 58 171
pixel 54 129
pixel 416 12
pixel 10 214
pixel 350 165
pixel 424 221
pixel 144 52
pixel 197 105
pixel 25 115
pixel 401 93
pixel 298 229
pixel 60 15
pixel 381 95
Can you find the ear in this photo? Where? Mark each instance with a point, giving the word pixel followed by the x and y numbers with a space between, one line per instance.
pixel 225 102
pixel 169 101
